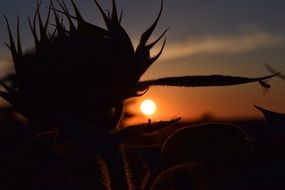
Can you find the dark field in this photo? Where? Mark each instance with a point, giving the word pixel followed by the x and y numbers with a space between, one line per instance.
pixel 37 163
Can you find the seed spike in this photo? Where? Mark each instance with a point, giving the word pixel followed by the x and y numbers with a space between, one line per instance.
pixel 146 35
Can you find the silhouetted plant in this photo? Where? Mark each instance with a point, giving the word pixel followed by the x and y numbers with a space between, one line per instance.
pixel 77 77
pixel 274 121
pixel 210 143
pixel 198 155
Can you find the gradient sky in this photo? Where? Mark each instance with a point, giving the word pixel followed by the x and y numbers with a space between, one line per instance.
pixel 206 37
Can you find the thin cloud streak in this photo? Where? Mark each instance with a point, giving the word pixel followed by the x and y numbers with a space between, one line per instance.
pixel 244 43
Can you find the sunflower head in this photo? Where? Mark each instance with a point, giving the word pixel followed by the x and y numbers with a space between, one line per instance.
pixel 78 67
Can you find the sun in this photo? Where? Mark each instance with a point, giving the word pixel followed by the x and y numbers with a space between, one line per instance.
pixel 148 107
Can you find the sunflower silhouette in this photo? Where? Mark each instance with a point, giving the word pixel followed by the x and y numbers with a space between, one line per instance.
pixel 78 70
pixel 78 76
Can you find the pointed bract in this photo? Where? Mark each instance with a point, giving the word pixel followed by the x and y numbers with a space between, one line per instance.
pixel 153 59
pixel 105 17
pixel 146 35
pixel 20 53
pixel 63 6
pixel 114 17
pixel 149 46
pixel 33 30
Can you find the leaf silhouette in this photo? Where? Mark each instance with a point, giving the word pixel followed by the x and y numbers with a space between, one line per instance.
pixel 201 81
pixel 275 121
pixel 209 143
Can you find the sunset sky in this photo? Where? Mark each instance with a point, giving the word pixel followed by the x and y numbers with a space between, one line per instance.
pixel 206 37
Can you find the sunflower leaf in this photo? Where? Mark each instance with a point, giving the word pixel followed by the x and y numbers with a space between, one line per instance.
pixel 202 81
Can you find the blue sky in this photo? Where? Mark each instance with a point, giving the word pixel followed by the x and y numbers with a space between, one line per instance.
pixel 205 37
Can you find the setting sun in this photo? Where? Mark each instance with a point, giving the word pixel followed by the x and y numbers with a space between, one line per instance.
pixel 148 107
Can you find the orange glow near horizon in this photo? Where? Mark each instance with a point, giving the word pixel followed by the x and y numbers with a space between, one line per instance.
pixel 221 103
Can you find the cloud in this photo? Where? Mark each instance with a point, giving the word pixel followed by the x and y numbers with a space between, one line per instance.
pixel 244 43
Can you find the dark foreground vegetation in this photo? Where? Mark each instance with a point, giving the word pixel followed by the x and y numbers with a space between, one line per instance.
pixel 42 163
